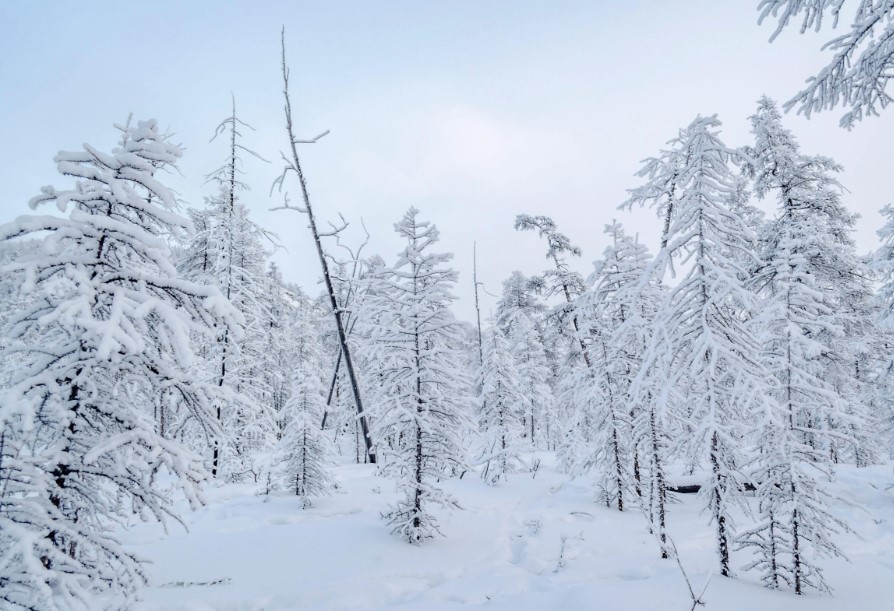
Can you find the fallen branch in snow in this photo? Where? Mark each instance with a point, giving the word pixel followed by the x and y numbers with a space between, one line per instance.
pixel 694 488
pixel 670 550
pixel 187 584
pixel 685 489
pixel 696 600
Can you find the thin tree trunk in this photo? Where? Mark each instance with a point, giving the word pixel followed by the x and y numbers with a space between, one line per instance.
pixel 796 548
pixel 722 543
pixel 331 389
pixel 636 473
pixel 417 500
pixel 477 308
pixel 616 449
pixel 774 568
pixel 660 485
pixel 567 292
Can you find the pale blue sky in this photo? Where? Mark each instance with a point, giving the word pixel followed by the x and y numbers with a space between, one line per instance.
pixel 471 111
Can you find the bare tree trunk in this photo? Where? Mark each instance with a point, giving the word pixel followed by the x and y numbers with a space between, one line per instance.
pixel 477 308
pixel 327 278
pixel 331 389
pixel 720 516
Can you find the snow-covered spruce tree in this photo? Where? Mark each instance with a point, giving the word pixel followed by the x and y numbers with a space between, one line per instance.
pixel 535 384
pixel 714 361
pixel 883 376
pixel 562 331
pixel 305 452
pixel 520 317
pixel 805 187
pixel 518 300
pixel 561 280
pixel 857 75
pixel 795 525
pixel 630 298
pixel 861 356
pixel 109 329
pixel 660 192
pixel 278 341
pixel 803 284
pixel 228 253
pixel 663 176
pixel 12 298
pixel 422 392
pixel 617 313
pixel 500 408
pixel 650 401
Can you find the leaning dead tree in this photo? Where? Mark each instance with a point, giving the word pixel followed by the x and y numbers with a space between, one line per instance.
pixel 347 306
pixel 293 164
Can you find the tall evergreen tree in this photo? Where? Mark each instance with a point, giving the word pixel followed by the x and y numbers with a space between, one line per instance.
pixel 500 408
pixel 306 452
pixel 618 312
pixel 810 272
pixel 713 355
pixel 108 332
pixel 228 253
pixel 519 316
pixel 561 280
pixel 422 389
pixel 883 375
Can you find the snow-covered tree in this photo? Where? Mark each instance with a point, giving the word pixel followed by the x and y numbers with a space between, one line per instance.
pixel 807 191
pixel 883 375
pixel 500 407
pixel 280 343
pixel 518 300
pixel 660 192
pixel 713 356
pixel 809 273
pixel 305 451
pixel 519 316
pixel 617 312
pixel 857 75
pixel 422 392
pixel 108 331
pixel 795 525
pixel 228 252
pixel 536 380
pixel 562 280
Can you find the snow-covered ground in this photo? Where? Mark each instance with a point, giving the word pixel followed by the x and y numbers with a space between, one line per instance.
pixel 503 551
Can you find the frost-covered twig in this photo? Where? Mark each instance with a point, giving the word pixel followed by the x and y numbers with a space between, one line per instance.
pixel 561 564
pixel 669 549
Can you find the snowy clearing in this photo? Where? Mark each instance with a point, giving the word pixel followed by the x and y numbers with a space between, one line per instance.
pixel 503 551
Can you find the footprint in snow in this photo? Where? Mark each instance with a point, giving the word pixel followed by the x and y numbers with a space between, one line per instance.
pixel 633 574
pixel 519 547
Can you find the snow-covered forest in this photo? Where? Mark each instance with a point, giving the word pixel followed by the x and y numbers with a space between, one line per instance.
pixel 704 420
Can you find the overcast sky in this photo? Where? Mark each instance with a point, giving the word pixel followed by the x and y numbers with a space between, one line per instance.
pixel 471 111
